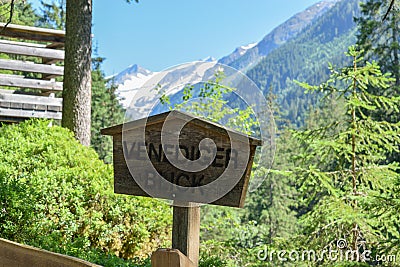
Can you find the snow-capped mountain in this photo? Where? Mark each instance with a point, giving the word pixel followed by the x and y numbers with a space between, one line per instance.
pixel 132 70
pixel 130 80
pixel 209 59
pixel 245 57
pixel 236 54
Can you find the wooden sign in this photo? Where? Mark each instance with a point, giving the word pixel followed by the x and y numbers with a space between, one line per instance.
pixel 180 157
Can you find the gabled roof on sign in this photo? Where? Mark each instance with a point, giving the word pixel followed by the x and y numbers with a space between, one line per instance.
pixel 117 129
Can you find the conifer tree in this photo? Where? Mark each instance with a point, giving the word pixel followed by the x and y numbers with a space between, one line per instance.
pixel 106 111
pixel 273 205
pixel 379 29
pixel 380 38
pixel 53 14
pixel 345 184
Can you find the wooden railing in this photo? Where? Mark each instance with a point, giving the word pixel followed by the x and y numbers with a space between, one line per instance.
pixel 29 86
pixel 16 255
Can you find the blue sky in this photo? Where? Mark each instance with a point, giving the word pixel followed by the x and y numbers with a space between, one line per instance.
pixel 158 34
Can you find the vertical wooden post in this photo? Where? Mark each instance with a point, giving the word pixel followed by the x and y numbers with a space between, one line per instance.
pixel 186 231
pixel 170 258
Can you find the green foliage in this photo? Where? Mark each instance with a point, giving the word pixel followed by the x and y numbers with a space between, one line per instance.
pixel 23 13
pixel 57 195
pixel 233 237
pixel 210 102
pixel 274 203
pixel 338 175
pixel 304 58
pixel 53 14
pixel 268 218
pixel 225 237
pixel 227 240
pixel 380 40
pixel 106 111
pixel 342 174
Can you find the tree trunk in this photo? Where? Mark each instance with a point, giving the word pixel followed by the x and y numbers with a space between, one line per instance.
pixel 77 70
pixel 395 43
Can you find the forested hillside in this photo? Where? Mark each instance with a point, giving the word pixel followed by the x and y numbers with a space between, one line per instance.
pixel 244 58
pixel 331 198
pixel 306 57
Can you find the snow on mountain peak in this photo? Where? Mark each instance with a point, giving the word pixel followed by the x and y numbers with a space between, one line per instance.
pixel 133 78
pixel 129 81
pixel 132 70
pixel 249 46
pixel 239 52
pixel 209 59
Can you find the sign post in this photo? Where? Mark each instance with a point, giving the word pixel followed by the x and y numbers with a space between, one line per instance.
pixel 184 159
pixel 186 230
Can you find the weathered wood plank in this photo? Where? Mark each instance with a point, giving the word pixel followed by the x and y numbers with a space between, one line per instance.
pixel 4 119
pixel 15 105
pixel 36 107
pixel 17 255
pixel 19 113
pixel 23 43
pixel 124 183
pixel 12 76
pixel 54 108
pixel 33 33
pixel 18 81
pixel 170 258
pixel 27 66
pixel 185 232
pixel 5 104
pixel 30 99
pixel 17 49
pixel 161 117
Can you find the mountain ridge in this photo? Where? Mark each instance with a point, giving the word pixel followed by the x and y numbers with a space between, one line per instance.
pixel 130 80
pixel 305 58
pixel 278 36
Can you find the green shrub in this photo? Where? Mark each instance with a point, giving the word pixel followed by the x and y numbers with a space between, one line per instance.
pixel 57 195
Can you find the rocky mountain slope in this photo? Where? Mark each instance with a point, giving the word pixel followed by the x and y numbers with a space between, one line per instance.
pixel 299 49
pixel 246 56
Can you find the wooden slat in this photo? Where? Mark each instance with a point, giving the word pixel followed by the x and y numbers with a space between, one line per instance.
pixel 19 113
pixel 4 119
pixel 12 75
pixel 23 43
pixel 18 81
pixel 14 105
pixel 27 66
pixel 32 51
pixel 30 99
pixel 5 104
pixel 13 254
pixel 33 33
